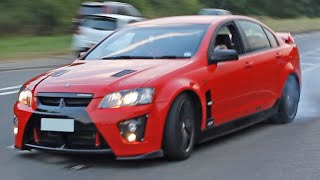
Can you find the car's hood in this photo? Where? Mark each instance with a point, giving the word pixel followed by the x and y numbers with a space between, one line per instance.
pixel 102 76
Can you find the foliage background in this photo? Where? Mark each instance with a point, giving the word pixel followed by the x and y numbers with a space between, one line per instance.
pixel 46 17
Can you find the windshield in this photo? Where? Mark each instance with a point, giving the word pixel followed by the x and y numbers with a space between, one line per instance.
pixel 156 42
pixel 99 23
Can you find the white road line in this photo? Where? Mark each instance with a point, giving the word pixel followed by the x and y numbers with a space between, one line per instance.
pixel 315 67
pixel 19 70
pixel 311 52
pixel 300 36
pixel 307 64
pixel 9 88
pixel 10 92
pixel 10 147
pixel 78 167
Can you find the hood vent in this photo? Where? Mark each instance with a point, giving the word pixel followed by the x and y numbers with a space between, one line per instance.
pixel 123 73
pixel 60 73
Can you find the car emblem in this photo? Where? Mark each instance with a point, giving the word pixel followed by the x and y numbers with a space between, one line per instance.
pixel 67 85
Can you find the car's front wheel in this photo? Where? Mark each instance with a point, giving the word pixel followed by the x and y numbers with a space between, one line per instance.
pixel 179 132
pixel 289 102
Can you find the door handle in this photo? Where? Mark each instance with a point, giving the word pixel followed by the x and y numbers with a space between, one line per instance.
pixel 248 64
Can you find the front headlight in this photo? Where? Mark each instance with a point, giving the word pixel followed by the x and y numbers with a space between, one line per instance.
pixel 130 97
pixel 25 97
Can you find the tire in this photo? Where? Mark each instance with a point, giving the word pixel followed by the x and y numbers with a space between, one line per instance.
pixel 179 132
pixel 289 102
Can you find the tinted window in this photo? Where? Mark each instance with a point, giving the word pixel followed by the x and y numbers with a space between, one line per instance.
pixel 123 11
pixel 111 9
pixel 99 23
pixel 272 39
pixel 176 41
pixel 88 10
pixel 132 11
pixel 257 38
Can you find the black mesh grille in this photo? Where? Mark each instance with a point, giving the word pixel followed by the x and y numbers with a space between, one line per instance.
pixel 84 137
pixel 77 102
pixel 49 101
pixel 68 102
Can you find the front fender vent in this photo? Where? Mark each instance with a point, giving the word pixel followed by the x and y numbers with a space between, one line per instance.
pixel 123 73
pixel 209 103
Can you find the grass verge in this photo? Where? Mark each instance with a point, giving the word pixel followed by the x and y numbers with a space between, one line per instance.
pixel 30 47
pixel 298 25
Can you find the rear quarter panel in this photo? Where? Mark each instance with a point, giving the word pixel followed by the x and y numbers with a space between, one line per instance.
pixel 291 64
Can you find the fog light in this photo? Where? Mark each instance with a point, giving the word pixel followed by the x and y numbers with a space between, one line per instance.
pixel 15 125
pixel 15 130
pixel 131 138
pixel 133 129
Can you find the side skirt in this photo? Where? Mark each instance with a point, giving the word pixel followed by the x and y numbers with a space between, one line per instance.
pixel 238 124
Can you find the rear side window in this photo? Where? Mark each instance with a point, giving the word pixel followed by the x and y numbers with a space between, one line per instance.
pixel 257 38
pixel 132 11
pixel 272 39
pixel 99 23
pixel 123 11
pixel 88 10
pixel 129 11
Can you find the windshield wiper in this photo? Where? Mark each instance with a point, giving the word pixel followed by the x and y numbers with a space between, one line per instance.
pixel 144 57
pixel 128 57
pixel 171 57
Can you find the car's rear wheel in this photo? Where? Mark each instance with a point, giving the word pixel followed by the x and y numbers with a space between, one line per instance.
pixel 179 132
pixel 289 102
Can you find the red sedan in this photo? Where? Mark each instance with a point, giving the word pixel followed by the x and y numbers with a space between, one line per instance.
pixel 157 88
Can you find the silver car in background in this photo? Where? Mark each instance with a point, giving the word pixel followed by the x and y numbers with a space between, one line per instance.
pixel 214 12
pixel 94 28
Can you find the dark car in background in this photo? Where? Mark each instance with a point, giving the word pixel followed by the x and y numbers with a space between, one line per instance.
pixel 210 11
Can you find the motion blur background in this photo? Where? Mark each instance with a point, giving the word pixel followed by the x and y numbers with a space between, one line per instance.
pixel 33 27
pixel 43 17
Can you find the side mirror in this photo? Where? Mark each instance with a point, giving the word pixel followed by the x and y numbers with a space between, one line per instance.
pixel 222 55
pixel 81 54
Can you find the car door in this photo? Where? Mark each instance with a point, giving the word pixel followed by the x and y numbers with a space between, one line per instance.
pixel 264 63
pixel 229 81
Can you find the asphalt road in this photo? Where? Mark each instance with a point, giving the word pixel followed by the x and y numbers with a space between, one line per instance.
pixel 261 152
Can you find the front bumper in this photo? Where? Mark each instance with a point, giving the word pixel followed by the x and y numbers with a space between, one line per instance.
pixel 105 123
pixel 66 150
pixel 152 155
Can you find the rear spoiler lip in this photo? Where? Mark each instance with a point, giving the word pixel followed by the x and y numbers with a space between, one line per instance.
pixel 286 37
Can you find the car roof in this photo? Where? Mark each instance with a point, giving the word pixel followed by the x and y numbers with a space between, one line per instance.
pixel 116 16
pixel 116 3
pixel 91 3
pixel 195 19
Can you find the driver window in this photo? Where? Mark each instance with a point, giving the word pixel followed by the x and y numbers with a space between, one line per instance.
pixel 226 38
